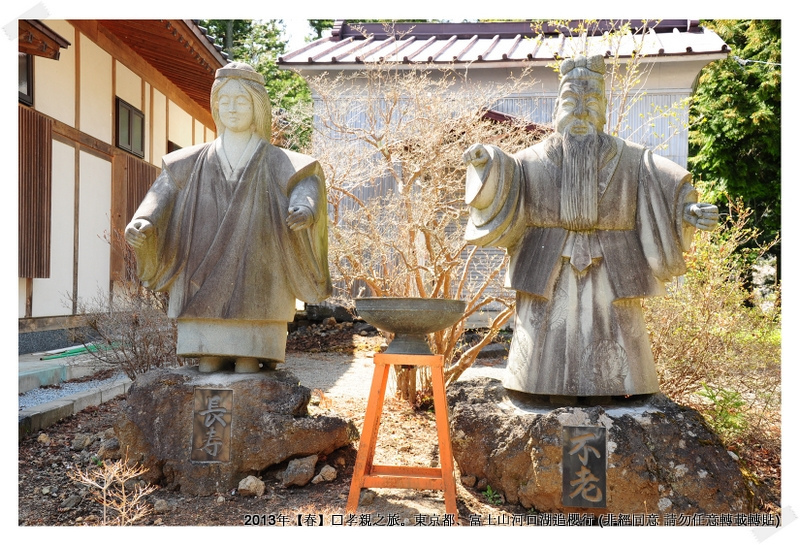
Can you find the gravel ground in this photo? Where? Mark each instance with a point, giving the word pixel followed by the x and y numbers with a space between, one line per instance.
pixel 334 374
pixel 38 396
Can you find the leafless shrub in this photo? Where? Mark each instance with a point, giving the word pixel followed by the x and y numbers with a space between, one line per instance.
pixel 129 328
pixel 115 488
pixel 391 143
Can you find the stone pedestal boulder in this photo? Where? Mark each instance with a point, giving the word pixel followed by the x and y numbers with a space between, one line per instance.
pixel 661 457
pixel 265 418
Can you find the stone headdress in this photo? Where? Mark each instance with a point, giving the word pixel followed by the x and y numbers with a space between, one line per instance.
pixel 593 63
pixel 254 84
pixel 239 70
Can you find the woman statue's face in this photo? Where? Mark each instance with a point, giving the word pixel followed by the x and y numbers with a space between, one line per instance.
pixel 235 107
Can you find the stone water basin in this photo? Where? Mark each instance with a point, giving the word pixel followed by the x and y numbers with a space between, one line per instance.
pixel 411 319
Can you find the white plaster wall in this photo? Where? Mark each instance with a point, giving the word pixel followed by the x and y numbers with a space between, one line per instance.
pixel 21 292
pixel 129 87
pixel 148 121
pixel 199 132
pixel 54 81
pixel 159 127
pixel 50 294
pixel 180 126
pixel 96 93
pixel 94 211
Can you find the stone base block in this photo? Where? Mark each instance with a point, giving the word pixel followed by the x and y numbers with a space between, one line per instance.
pixel 661 457
pixel 258 420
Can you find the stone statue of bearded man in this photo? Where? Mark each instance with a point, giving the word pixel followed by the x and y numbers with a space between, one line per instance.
pixel 592 224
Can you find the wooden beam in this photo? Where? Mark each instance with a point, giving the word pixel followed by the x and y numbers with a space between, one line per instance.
pixel 36 38
pixel 50 323
pixel 85 140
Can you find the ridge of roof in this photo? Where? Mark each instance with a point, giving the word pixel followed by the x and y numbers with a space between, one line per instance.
pixel 505 29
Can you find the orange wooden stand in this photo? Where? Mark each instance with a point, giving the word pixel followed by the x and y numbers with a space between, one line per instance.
pixel 367 475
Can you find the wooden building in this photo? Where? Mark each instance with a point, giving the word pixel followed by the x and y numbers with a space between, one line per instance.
pixel 100 103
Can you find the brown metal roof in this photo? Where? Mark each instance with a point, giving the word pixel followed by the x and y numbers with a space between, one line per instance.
pixel 178 48
pixel 489 44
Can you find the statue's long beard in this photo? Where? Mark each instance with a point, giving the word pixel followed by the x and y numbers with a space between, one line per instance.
pixel 579 182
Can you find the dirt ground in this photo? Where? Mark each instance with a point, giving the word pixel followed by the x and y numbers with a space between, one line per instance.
pixel 337 367
pixel 340 365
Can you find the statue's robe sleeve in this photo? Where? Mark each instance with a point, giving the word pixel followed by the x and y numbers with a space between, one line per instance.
pixel 494 195
pixel 160 258
pixel 308 275
pixel 664 189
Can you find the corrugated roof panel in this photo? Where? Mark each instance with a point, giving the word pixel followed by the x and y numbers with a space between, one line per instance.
pixel 396 50
pixel 372 53
pixel 348 54
pixel 490 47
pixel 492 42
pixel 416 52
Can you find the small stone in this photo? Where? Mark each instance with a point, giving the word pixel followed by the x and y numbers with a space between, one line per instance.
pixel 43 439
pixel 45 490
pixel 326 474
pixel 340 461
pixel 251 486
pixel 158 522
pixel 469 480
pixel 364 329
pixel 367 497
pixel 161 506
pixel 482 484
pixel 81 441
pixel 70 502
pixel 330 322
pixel 733 455
pixel 109 449
pixel 300 471
pixel 220 499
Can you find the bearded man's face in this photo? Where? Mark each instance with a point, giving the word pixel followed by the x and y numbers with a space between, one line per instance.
pixel 581 107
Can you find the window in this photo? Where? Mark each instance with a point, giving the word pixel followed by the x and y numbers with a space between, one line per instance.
pixel 130 128
pixel 26 79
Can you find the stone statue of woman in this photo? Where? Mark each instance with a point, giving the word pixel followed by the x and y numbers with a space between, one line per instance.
pixel 235 230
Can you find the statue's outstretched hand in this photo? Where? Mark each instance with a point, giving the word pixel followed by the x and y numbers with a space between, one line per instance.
pixel 136 232
pixel 477 155
pixel 701 215
pixel 300 217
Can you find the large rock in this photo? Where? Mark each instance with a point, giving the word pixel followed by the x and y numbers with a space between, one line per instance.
pixel 662 458
pixel 270 424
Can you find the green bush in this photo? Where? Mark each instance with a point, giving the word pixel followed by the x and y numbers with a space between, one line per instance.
pixel 716 340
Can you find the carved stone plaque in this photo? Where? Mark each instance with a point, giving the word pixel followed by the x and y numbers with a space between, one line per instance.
pixel 584 466
pixel 211 425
